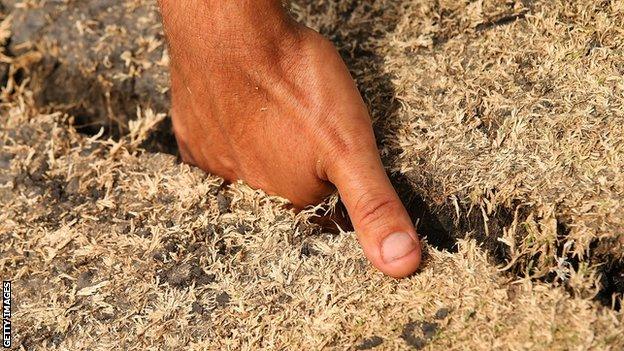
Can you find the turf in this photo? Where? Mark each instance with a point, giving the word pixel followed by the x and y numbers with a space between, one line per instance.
pixel 112 247
pixel 501 121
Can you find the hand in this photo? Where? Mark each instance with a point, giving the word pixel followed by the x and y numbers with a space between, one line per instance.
pixel 261 98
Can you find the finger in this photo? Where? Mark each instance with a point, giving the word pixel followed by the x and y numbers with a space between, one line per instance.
pixel 381 222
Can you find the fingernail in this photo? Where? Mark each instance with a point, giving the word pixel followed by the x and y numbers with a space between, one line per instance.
pixel 397 245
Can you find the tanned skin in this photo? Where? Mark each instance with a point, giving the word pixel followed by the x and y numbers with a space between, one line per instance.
pixel 260 98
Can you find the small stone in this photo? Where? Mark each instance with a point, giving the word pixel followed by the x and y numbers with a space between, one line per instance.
pixel 442 313
pixel 223 299
pixel 223 203
pixel 197 308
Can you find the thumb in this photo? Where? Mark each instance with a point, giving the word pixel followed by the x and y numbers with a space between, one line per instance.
pixel 382 224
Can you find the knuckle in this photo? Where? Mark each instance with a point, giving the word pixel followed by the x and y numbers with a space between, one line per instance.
pixel 370 209
pixel 342 146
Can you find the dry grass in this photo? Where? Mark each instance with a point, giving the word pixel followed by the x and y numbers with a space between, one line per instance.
pixel 526 118
pixel 109 246
pixel 504 116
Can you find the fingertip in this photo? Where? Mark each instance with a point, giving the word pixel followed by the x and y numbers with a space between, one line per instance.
pixel 397 245
pixel 383 226
pixel 404 265
pixel 397 254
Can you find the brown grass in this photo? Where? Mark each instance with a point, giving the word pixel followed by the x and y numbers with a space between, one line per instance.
pixel 504 116
pixel 109 246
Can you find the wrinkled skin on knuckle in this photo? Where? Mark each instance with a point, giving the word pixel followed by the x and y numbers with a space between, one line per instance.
pixel 371 209
pixel 342 150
